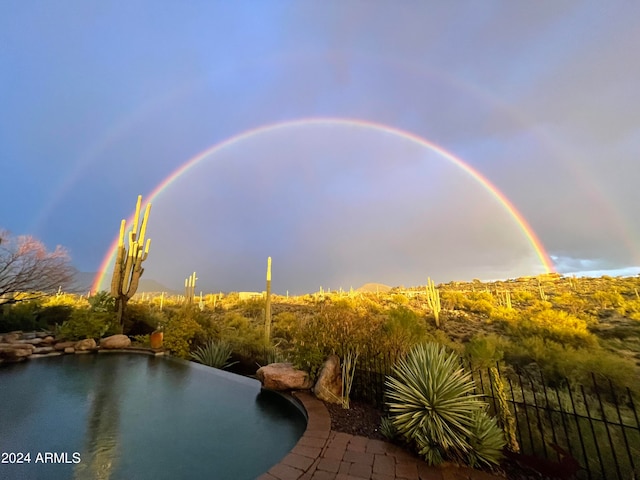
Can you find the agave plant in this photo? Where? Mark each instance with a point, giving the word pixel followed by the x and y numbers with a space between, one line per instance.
pixel 431 402
pixel 214 354
pixel 487 440
pixel 387 428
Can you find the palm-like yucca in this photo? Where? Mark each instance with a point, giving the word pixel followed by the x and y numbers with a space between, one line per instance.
pixel 431 402
pixel 214 354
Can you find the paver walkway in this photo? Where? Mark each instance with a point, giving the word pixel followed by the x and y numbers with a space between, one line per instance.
pixel 323 454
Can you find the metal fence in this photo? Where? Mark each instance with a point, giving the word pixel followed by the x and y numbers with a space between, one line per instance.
pixel 557 423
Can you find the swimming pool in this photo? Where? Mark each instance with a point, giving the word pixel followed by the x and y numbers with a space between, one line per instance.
pixel 123 416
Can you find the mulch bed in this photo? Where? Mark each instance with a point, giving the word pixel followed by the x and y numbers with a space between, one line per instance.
pixel 359 419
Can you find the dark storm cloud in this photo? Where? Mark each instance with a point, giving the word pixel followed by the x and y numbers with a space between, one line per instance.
pixel 102 102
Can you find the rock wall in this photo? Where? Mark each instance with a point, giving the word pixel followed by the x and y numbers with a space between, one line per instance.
pixel 20 346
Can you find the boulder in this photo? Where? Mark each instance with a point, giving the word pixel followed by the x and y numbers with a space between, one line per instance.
pixel 282 376
pixel 63 345
pixel 69 350
pixel 86 344
pixel 328 387
pixel 11 337
pixel 48 339
pixel 115 341
pixel 40 350
pixel 22 346
pixel 9 354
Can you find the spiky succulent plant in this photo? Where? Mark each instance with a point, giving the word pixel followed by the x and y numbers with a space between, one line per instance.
pixel 431 402
pixel 487 440
pixel 214 354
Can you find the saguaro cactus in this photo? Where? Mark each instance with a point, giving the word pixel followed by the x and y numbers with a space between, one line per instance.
pixel 267 308
pixel 190 287
pixel 433 300
pixel 128 268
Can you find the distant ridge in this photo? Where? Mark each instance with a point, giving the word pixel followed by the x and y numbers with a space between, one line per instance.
pixel 83 282
pixel 373 288
pixel 148 285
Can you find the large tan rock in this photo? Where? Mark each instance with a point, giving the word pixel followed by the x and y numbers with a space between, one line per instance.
pixel 11 337
pixel 328 387
pixel 62 345
pixel 22 346
pixel 282 376
pixel 86 344
pixel 115 341
pixel 41 350
pixel 32 341
pixel 9 354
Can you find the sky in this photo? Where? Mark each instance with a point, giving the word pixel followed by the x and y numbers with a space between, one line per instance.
pixel 351 141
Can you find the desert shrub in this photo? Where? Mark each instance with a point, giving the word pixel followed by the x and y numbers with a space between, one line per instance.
pixel 54 315
pixel 608 298
pixel 20 316
pixel 558 362
pixel 253 307
pixel 522 297
pixel 284 325
pixel 504 315
pixel 141 341
pixel 484 351
pixel 84 323
pixel 240 331
pixel 630 309
pixel 66 299
pixel 556 325
pixel 402 329
pixel 102 302
pixel 452 300
pixel 432 405
pixel 214 354
pixel 570 303
pixel 479 305
pixel 399 299
pixel 141 319
pixel 182 331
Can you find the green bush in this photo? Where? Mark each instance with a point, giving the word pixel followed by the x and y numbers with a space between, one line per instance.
pixel 399 299
pixel 402 329
pixel 484 351
pixel 284 325
pixel 84 323
pixel 54 315
pixel 452 300
pixel 20 316
pixel 431 404
pixel 182 331
pixel 141 319
pixel 556 325
pixel 102 302
pixel 558 361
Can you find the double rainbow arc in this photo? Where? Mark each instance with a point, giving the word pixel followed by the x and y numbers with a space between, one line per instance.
pixel 531 236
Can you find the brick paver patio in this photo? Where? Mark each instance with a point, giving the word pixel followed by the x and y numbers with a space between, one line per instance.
pixel 322 454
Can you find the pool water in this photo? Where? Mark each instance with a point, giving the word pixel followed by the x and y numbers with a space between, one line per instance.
pixel 120 416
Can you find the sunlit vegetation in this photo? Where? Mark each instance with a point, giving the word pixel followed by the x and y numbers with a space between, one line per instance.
pixel 570 327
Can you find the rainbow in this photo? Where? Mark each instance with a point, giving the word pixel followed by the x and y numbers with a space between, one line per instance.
pixel 265 129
